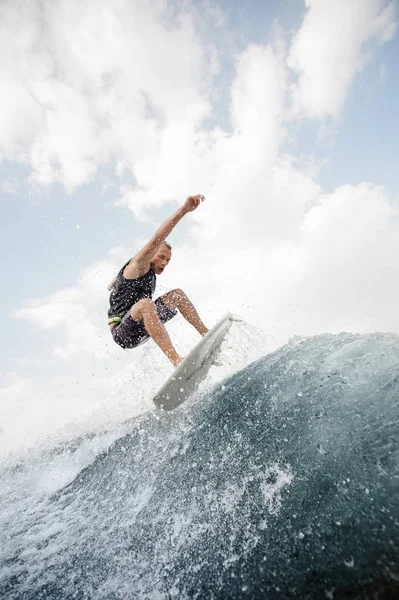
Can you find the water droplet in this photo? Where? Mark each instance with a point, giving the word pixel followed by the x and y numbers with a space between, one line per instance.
pixel 321 449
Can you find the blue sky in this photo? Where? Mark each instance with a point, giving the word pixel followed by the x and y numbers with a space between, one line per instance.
pixel 283 113
pixel 366 145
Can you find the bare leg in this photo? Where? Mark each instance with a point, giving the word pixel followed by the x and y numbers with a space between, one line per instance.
pixel 146 311
pixel 178 299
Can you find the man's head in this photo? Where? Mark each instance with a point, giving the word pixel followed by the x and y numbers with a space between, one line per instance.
pixel 161 258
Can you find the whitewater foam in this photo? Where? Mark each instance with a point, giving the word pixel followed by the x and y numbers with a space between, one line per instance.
pixel 279 480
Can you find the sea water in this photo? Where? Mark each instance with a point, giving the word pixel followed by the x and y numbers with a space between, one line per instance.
pixel 280 480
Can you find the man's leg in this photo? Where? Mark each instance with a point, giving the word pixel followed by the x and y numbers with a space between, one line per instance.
pixel 146 311
pixel 178 299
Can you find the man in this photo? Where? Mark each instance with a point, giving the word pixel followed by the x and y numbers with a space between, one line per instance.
pixel 133 317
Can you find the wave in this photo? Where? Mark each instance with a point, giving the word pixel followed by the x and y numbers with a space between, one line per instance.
pixel 281 481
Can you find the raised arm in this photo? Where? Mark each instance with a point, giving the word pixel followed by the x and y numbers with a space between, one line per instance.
pixel 140 263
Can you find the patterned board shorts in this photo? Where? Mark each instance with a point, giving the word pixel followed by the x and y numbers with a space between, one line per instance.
pixel 130 333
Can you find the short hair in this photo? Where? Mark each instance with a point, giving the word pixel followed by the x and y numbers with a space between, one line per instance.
pixel 167 245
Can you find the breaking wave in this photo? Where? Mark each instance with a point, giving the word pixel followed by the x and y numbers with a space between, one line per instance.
pixel 281 481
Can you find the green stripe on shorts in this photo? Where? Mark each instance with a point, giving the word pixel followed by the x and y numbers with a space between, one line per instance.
pixel 114 320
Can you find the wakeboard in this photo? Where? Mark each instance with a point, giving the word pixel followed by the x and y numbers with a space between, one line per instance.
pixel 182 383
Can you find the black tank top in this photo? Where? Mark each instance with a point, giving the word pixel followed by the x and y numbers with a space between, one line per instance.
pixel 126 292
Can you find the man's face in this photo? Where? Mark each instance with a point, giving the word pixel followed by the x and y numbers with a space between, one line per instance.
pixel 161 259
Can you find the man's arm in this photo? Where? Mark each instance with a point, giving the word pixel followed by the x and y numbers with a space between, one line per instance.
pixel 140 263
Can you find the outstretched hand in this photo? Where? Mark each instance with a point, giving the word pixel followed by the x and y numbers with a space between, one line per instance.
pixel 193 202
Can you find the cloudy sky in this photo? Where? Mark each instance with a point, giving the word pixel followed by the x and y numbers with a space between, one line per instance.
pixel 283 114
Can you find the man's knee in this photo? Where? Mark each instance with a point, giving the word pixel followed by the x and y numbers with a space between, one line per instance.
pixel 142 306
pixel 178 293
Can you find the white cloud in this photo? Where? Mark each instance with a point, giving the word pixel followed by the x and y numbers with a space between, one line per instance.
pixel 78 312
pixel 65 113
pixel 226 167
pixel 334 42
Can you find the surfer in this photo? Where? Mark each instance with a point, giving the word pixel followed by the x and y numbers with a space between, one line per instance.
pixel 133 317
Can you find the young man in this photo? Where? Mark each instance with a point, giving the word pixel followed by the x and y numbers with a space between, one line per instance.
pixel 133 317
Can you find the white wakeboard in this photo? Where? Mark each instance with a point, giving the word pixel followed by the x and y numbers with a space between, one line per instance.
pixel 194 367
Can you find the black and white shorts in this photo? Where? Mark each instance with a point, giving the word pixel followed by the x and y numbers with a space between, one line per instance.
pixel 130 333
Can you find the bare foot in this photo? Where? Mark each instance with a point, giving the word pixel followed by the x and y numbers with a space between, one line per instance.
pixel 177 362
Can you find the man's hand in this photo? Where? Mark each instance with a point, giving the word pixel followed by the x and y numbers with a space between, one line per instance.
pixel 193 202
